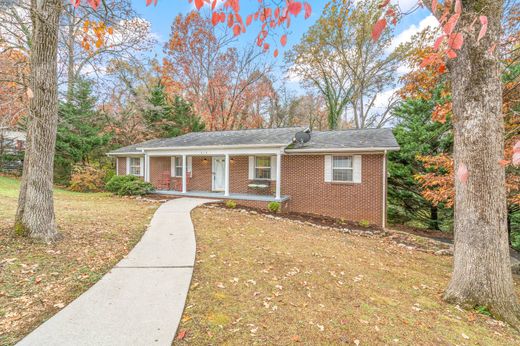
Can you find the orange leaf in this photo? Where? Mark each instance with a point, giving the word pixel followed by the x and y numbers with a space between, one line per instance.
pixel 283 40
pixel 181 335
pixel 378 28
pixel 462 173
pixel 236 30
pixel 215 18
pixel 384 3
pixel 456 41
pixel 308 10
pixel 275 53
pixel 249 19
pixel 199 4
pixel 295 8
pixel 483 29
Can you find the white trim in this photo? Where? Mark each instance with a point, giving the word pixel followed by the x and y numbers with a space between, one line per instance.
pixel 125 154
pixel 147 168
pixel 357 169
pixel 270 168
pixel 278 176
pixel 128 166
pixel 226 176
pixel 117 165
pixel 268 151
pixel 273 167
pixel 335 150
pixel 190 166
pixel 183 173
pixel 251 175
pixel 328 168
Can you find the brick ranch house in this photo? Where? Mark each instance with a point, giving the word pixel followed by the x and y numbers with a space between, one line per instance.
pixel 341 174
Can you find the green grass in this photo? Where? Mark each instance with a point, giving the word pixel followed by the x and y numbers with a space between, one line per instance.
pixel 36 280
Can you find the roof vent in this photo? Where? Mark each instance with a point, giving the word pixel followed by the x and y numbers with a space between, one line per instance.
pixel 302 137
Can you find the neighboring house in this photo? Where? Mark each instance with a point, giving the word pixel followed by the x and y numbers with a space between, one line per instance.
pixel 341 174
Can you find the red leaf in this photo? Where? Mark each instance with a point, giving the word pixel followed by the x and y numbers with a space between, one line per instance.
pixel 213 4
pixel 181 335
pixel 378 28
pixel 503 163
pixel 230 20
pixel 283 40
pixel 483 29
pixel 458 7
pixel 516 148
pixel 438 42
pixel 516 159
pixel 94 3
pixel 462 173
pixel 236 30
pixel 384 3
pixel 215 18
pixel 266 46
pixel 199 4
pixel 434 6
pixel 451 54
pixel 450 25
pixel 442 69
pixel 308 10
pixel 249 19
pixel 295 8
pixel 277 12
pixel 75 2
pixel 275 53
pixel 456 41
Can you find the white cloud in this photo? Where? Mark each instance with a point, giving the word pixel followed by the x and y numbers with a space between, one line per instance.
pixel 406 34
pixel 406 5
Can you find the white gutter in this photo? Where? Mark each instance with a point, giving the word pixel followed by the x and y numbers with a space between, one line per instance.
pixel 206 147
pixel 125 154
pixel 333 150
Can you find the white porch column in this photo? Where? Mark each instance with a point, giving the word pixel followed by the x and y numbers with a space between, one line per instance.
pixel 146 168
pixel 278 176
pixel 184 173
pixel 226 177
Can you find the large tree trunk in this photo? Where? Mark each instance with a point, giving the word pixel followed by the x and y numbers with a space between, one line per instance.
pixel 35 215
pixel 482 271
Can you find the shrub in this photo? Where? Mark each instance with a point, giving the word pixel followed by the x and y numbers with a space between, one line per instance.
pixel 231 204
pixel 274 207
pixel 128 185
pixel 87 178
pixel 364 223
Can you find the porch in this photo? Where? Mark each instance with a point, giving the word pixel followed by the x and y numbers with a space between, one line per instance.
pixel 222 195
pixel 253 174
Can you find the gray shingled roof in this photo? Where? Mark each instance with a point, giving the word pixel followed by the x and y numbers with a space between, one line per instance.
pixel 353 139
pixel 350 139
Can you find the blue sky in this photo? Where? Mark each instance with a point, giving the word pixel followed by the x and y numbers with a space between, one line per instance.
pixel 162 15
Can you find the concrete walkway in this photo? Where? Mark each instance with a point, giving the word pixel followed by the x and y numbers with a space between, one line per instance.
pixel 141 300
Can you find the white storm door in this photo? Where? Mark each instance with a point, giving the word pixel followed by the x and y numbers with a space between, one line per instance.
pixel 219 173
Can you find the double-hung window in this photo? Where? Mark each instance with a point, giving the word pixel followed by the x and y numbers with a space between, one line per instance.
pixel 178 166
pixel 342 169
pixel 135 166
pixel 263 167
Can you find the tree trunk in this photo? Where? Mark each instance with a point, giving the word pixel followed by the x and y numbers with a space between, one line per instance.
pixel 35 215
pixel 482 271
pixel 434 218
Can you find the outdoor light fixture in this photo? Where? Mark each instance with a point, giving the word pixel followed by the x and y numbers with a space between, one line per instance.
pixel 205 160
pixel 232 160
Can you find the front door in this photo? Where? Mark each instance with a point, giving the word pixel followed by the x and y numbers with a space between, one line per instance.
pixel 219 171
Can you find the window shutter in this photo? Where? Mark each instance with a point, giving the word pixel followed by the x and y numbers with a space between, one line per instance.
pixel 189 161
pixel 141 170
pixel 172 166
pixel 128 166
pixel 251 167
pixel 356 164
pixel 328 168
pixel 273 167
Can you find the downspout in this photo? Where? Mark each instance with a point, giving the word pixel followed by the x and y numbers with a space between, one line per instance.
pixel 384 188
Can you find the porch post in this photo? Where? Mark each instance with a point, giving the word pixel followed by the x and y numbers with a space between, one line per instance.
pixel 226 177
pixel 278 176
pixel 146 168
pixel 184 173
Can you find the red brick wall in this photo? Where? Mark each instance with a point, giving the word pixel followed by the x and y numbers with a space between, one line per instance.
pixel 160 169
pixel 303 180
pixel 121 165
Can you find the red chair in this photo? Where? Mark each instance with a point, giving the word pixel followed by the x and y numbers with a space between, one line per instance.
pixel 164 181
pixel 177 185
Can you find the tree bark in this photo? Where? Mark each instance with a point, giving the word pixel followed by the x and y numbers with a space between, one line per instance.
pixel 482 272
pixel 35 215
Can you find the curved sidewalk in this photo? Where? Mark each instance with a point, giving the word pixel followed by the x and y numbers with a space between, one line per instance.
pixel 141 300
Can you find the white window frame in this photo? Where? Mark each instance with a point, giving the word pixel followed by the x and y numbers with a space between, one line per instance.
pixel 351 168
pixel 140 166
pixel 177 164
pixel 256 167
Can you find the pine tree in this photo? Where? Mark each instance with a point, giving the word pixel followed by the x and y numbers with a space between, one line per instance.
pixel 79 138
pixel 417 134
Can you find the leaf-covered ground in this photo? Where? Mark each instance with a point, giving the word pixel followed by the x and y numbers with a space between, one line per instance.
pixel 264 281
pixel 37 280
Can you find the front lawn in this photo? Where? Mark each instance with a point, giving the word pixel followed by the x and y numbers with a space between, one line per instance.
pixel 37 280
pixel 264 281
